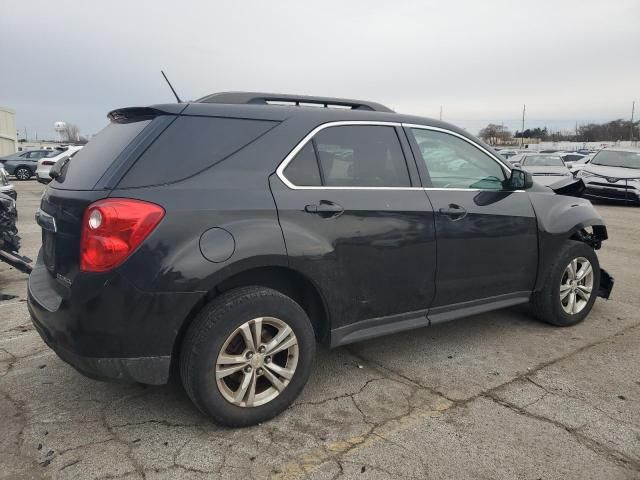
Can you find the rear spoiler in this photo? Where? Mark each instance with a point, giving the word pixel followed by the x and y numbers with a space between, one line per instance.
pixel 136 114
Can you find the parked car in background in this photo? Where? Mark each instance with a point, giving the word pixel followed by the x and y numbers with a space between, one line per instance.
pixel 569 158
pixel 585 151
pixel 226 237
pixel 580 164
pixel 613 174
pixel 506 153
pixel 5 187
pixel 545 168
pixel 23 165
pixel 45 164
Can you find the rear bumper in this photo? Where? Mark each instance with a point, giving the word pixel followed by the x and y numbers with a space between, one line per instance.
pixel 148 370
pixel 105 327
pixel 42 174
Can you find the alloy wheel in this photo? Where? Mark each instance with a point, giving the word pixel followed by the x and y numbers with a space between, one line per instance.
pixel 256 362
pixel 576 285
pixel 22 174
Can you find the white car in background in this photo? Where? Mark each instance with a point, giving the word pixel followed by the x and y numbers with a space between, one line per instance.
pixel 578 165
pixel 45 163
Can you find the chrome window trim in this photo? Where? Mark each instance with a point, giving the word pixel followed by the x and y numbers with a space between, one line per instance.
pixel 450 132
pixel 310 135
pixel 283 165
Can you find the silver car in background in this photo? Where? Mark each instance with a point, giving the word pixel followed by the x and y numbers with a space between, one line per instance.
pixel 546 169
pixel 613 174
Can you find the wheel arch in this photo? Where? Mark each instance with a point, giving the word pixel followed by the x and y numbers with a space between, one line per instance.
pixel 17 167
pixel 283 279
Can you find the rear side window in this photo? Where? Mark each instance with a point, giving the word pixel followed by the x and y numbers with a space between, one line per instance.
pixel 190 145
pixel 92 161
pixel 362 156
pixel 303 169
pixel 352 156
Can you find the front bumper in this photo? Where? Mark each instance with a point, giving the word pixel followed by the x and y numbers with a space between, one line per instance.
pixel 606 284
pixel 9 191
pixel 105 327
pixel 620 191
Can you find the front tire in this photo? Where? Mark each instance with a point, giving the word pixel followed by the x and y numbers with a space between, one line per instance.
pixel 247 356
pixel 570 286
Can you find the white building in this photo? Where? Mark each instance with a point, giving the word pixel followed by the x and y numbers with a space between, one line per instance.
pixel 8 143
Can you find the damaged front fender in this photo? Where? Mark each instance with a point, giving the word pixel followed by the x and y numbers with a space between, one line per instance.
pixel 568 186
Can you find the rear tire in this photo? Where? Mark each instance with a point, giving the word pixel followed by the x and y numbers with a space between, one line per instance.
pixel 222 339
pixel 573 275
pixel 22 173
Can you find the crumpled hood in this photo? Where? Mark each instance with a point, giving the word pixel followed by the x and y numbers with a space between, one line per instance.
pixel 612 172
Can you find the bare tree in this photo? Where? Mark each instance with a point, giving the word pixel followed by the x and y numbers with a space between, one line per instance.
pixel 71 133
pixel 494 134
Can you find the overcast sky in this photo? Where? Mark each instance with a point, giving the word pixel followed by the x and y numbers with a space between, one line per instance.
pixel 568 60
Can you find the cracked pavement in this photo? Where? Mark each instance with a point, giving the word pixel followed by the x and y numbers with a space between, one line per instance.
pixel 497 396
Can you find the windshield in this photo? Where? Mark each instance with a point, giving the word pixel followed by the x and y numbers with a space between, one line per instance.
pixel 612 158
pixel 542 161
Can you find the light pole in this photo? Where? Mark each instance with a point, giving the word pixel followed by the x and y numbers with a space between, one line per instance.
pixel 633 111
pixel 524 109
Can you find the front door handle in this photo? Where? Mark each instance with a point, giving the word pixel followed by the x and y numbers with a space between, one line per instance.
pixel 454 212
pixel 325 209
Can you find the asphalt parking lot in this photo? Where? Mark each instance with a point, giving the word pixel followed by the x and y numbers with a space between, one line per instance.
pixel 497 396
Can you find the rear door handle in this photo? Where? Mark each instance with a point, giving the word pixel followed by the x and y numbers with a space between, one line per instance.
pixel 454 212
pixel 325 208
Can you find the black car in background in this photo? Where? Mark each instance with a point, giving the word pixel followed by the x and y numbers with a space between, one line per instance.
pixel 5 187
pixel 228 235
pixel 23 165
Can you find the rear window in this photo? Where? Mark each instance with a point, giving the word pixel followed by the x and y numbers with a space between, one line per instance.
pixel 90 163
pixel 190 145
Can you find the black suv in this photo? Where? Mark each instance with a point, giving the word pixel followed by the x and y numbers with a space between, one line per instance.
pixel 228 235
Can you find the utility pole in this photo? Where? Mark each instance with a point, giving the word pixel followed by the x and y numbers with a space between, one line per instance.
pixel 633 111
pixel 440 112
pixel 524 109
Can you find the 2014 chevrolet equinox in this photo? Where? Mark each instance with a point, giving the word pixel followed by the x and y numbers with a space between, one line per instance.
pixel 228 235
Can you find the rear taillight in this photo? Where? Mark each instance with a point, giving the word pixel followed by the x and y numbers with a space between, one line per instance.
pixel 48 162
pixel 112 229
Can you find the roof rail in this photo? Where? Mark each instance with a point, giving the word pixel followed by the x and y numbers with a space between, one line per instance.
pixel 297 100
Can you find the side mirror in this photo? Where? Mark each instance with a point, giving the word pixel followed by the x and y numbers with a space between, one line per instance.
pixel 520 179
pixel 516 164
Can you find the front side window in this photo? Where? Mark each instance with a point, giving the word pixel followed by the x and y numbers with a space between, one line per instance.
pixel 455 163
